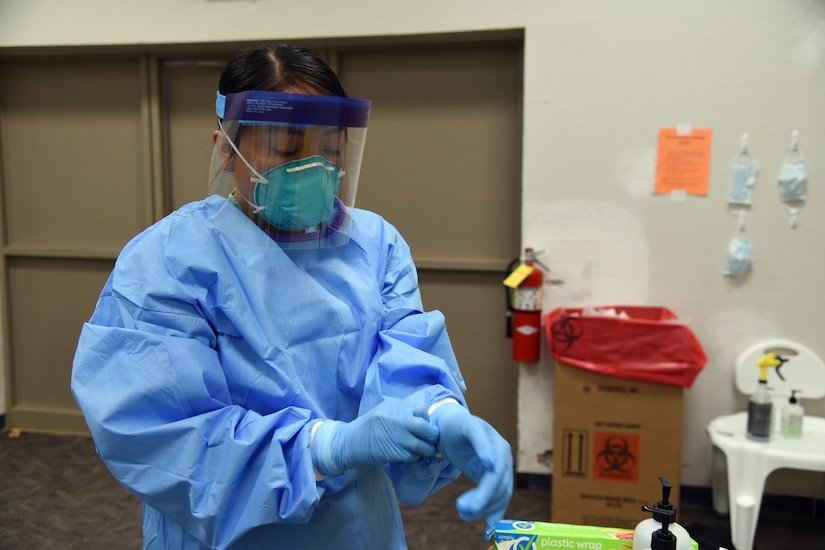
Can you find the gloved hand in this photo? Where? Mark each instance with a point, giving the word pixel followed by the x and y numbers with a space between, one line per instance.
pixel 396 430
pixel 480 453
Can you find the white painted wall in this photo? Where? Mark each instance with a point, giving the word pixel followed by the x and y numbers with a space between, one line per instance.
pixel 600 78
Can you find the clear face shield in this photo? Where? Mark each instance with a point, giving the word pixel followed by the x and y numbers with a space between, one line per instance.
pixel 290 162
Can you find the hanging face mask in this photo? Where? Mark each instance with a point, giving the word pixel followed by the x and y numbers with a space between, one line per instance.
pixel 744 181
pixel 298 195
pixel 738 258
pixel 793 180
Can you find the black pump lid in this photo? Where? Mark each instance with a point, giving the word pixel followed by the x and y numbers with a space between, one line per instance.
pixel 666 488
pixel 792 400
pixel 663 511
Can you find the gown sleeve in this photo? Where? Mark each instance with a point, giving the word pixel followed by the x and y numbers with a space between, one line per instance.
pixel 413 354
pixel 169 432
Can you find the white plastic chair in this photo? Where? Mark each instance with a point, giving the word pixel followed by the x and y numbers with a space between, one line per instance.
pixel 738 477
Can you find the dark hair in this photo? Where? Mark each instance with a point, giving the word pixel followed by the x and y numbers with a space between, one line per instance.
pixel 275 67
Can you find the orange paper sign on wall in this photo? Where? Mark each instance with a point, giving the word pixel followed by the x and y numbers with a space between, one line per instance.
pixel 683 161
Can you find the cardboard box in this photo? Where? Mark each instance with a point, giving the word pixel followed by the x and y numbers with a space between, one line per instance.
pixel 535 535
pixel 612 439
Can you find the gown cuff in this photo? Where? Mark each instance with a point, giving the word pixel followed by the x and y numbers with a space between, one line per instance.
pixel 318 475
pixel 440 402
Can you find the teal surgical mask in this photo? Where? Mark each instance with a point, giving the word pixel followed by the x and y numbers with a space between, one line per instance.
pixel 299 194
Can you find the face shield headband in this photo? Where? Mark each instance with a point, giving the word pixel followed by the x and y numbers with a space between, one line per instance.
pixel 291 162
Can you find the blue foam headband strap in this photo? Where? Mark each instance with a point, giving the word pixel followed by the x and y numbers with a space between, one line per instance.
pixel 220 104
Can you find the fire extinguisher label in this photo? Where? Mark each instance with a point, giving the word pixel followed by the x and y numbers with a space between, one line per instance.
pixel 527 330
pixel 528 299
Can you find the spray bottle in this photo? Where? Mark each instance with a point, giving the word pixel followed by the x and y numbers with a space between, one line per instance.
pixel 664 519
pixel 760 407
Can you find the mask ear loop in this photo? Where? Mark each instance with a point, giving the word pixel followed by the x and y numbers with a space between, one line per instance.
pixel 793 152
pixel 744 154
pixel 256 176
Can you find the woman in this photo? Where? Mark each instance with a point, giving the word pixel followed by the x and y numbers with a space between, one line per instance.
pixel 258 369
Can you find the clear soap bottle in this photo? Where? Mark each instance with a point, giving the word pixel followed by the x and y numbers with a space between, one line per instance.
pixel 792 415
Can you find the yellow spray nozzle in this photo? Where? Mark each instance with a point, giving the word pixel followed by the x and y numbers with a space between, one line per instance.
pixel 770 361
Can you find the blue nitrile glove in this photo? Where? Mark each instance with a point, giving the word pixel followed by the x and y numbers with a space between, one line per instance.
pixel 396 430
pixel 475 448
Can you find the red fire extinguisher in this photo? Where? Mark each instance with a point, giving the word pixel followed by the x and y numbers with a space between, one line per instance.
pixel 524 307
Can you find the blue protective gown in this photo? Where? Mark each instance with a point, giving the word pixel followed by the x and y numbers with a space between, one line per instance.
pixel 209 357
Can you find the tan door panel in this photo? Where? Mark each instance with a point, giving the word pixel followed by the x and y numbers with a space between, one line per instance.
pixel 74 153
pixel 76 187
pixel 188 119
pixel 48 303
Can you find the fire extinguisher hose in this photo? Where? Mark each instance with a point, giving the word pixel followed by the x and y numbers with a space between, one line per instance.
pixel 508 330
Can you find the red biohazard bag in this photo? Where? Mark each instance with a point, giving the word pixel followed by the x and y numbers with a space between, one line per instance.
pixel 640 343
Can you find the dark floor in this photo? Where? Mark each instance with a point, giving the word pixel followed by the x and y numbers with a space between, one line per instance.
pixel 56 494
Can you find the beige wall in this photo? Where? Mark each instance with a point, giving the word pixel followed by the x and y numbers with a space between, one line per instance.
pixel 599 79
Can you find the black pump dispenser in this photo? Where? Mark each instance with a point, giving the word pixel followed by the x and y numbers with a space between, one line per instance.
pixel 661 531
pixel 665 513
pixel 663 507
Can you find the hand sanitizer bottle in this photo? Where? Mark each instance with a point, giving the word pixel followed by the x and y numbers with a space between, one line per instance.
pixel 792 415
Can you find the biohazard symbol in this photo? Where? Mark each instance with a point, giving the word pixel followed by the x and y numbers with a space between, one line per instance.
pixel 616 457
pixel 566 331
